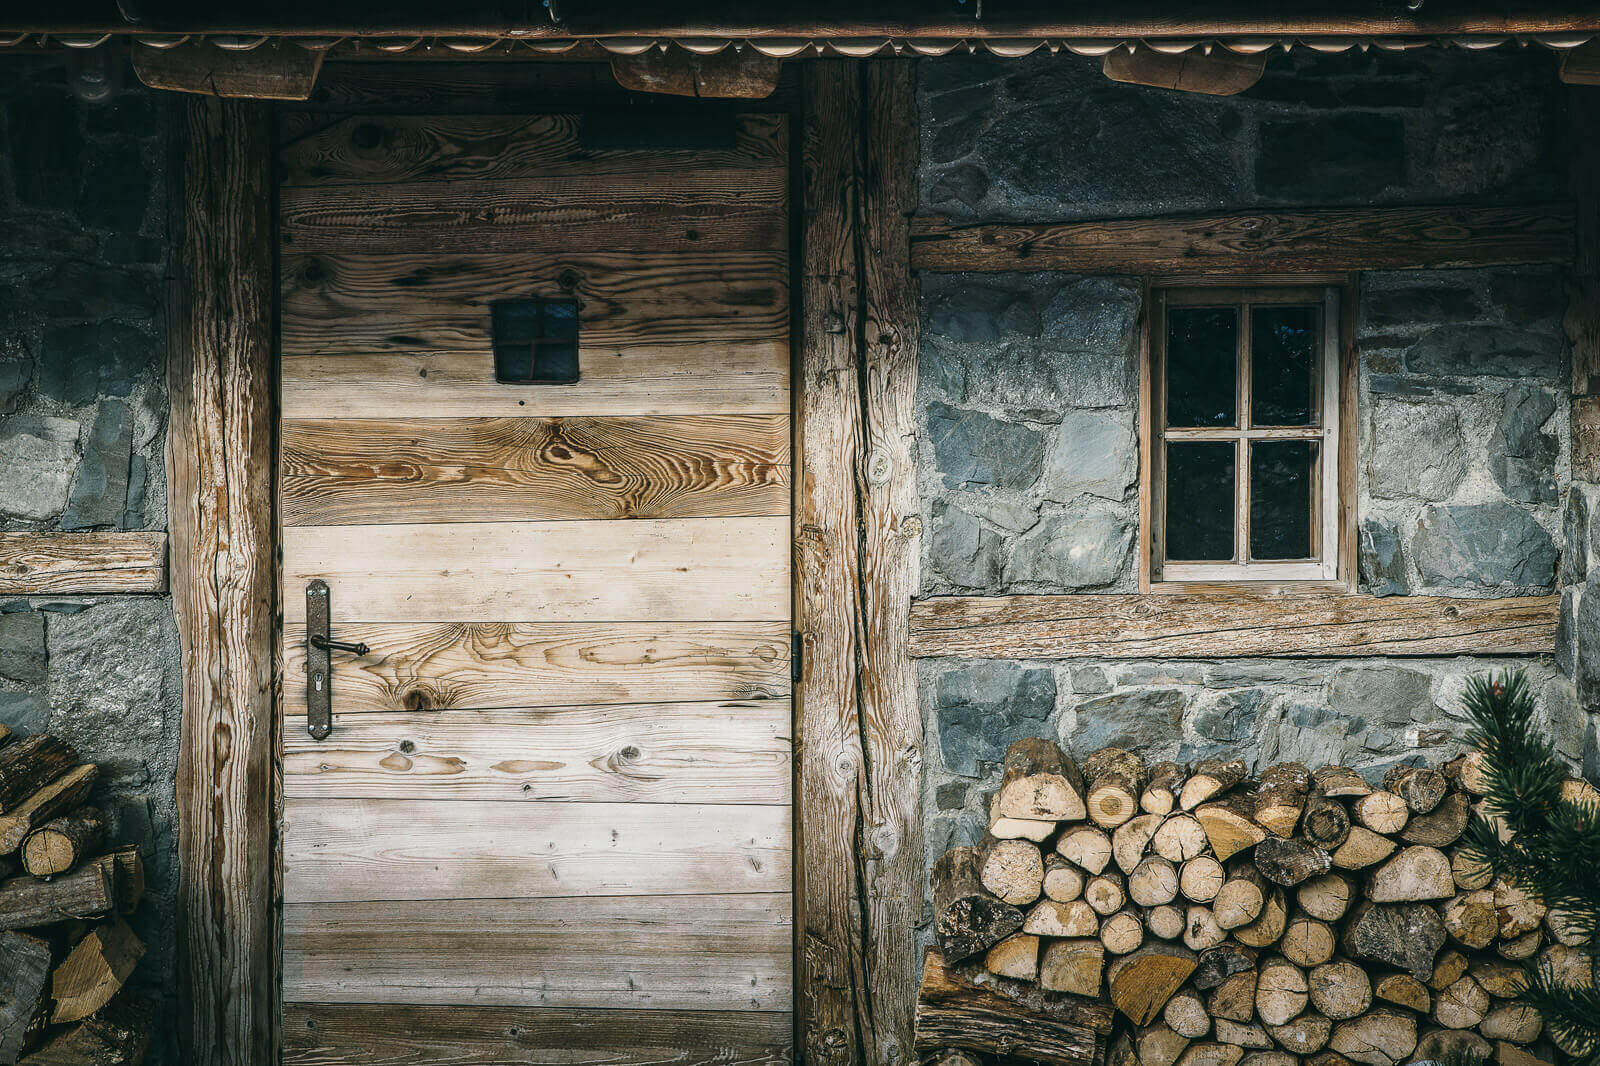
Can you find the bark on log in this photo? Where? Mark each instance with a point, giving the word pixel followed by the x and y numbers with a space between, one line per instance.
pixel 1289 862
pixel 93 972
pixel 1219 963
pixel 1116 779
pixel 1467 772
pixel 1340 781
pixel 1160 795
pixel 1420 787
pixel 116 1035
pixel 91 890
pixel 60 844
pixel 1281 797
pixel 1211 777
pixel 59 796
pixel 1041 782
pixel 1091 1014
pixel 29 765
pixel 952 1013
pixel 1141 983
pixel 967 919
pixel 1327 822
pixel 24 986
pixel 1406 936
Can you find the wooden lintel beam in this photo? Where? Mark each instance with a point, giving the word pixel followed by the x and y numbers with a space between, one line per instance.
pixel 730 74
pixel 1185 626
pixel 272 71
pixel 33 564
pixel 1330 240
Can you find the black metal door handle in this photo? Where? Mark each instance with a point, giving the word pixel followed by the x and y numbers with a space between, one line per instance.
pixel 319 660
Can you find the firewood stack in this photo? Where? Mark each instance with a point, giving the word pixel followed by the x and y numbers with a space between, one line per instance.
pixel 65 950
pixel 1229 918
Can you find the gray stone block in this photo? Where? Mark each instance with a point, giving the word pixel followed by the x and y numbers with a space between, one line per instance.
pixel 962 551
pixel 1575 538
pixel 971 448
pixel 79 364
pixel 1586 669
pixel 1093 314
pixel 24 712
pixel 1092 452
pixel 1080 550
pixel 1383 567
pixel 16 370
pixel 1417 306
pixel 1414 450
pixel 982 707
pixel 1231 720
pixel 1566 632
pixel 952 795
pixel 1089 681
pixel 1495 351
pixel 1488 545
pixel 22 647
pixel 100 490
pixel 1522 457
pixel 1140 719
pixel 1332 159
pixel 37 457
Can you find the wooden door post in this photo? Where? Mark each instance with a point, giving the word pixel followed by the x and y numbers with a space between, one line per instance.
pixel 220 499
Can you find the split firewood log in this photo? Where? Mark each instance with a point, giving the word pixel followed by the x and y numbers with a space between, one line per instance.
pixel 952 1056
pixel 1132 838
pixel 1448 968
pixel 1116 780
pixel 1406 936
pixel 1011 869
pixel 24 991
pixel 1506 1054
pixel 1403 990
pixel 91 890
pixel 1269 927
pixel 1179 839
pixel 1186 1015
pixel 1327 897
pixel 29 765
pixel 1211 1053
pixel 1211 777
pixel 61 795
pixel 1282 992
pixel 1470 919
pixel 1340 782
pixel 1004 827
pixel 1339 989
pixel 1200 929
pixel 1515 1023
pixel 61 843
pixel 1041 782
pixel 1500 979
pixel 969 982
pixel 1157 1044
pixel 1381 1038
pixel 1461 1004
pixel 1381 812
pixel 1241 1034
pixel 1153 882
pixel 93 972
pixel 1470 872
pixel 1468 772
pixel 1289 862
pixel 1017 957
pixel 1562 926
pixel 1122 932
pixel 1441 826
pixel 1327 822
pixel 118 1034
pixel 1442 1045
pixel 967 918
pixel 1106 893
pixel 1420 787
pixel 1281 797
pixel 1119 1050
pixel 1307 941
pixel 1221 962
pixel 1063 882
pixel 1165 921
pixel 1200 879
pixel 1518 910
pixel 1569 966
pixel 1229 827
pixel 1073 966
pixel 1233 1000
pixel 1525 946
pixel 1306 1034
pixel 1072 919
pixel 1241 897
pixel 1161 789
pixel 1269 1058
pixel 1361 849
pixel 1142 982
pixel 977 1010
pixel 1087 847
pixel 1415 873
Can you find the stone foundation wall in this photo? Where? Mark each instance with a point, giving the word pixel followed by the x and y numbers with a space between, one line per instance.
pixel 1028 453
pixel 82 430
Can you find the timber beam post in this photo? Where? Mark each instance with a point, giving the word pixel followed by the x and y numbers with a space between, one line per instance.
pixel 223 577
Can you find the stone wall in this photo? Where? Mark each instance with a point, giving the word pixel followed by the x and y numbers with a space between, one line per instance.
pixel 1028 460
pixel 82 431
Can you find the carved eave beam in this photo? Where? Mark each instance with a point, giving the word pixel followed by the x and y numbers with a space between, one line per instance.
pixel 729 74
pixel 266 72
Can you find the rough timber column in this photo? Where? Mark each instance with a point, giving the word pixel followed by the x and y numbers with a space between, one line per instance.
pixel 1581 601
pixel 858 806
pixel 220 497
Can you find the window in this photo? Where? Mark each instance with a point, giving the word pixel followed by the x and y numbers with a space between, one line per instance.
pixel 1244 442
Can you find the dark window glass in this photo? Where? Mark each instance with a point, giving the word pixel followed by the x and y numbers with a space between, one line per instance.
pixel 1283 365
pixel 1200 501
pixel 1282 481
pixel 1202 366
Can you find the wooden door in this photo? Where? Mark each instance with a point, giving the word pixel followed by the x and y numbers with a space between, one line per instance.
pixel 552 821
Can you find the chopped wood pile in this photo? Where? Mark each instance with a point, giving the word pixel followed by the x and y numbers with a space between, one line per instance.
pixel 1158 915
pixel 65 949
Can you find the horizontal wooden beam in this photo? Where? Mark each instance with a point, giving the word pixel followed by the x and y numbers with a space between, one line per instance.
pixel 1211 626
pixel 34 564
pixel 1331 240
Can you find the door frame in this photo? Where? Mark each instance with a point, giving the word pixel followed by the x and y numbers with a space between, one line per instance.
pixel 856 539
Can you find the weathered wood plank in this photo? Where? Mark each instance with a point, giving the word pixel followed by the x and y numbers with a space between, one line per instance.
pixel 220 485
pixel 380 1034
pixel 717 952
pixel 33 564
pixel 1207 626
pixel 1390 238
pixel 352 471
pixel 371 149
pixel 667 379
pixel 1583 288
pixel 704 208
pixel 890 550
pixel 644 753
pixel 625 571
pixel 424 666
pixel 361 850
pixel 832 997
pixel 354 304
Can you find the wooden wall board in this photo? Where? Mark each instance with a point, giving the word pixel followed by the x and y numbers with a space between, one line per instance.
pixel 354 303
pixel 33 564
pixel 1335 239
pixel 355 471
pixel 667 379
pixel 383 1034
pixel 361 850
pixel 712 952
pixel 425 666
pixel 1177 626
pixel 387 149
pixel 645 753
pixel 625 571
pixel 638 211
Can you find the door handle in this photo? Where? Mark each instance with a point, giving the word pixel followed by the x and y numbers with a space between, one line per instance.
pixel 319 659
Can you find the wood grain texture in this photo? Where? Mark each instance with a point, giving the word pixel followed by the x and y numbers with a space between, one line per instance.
pixel 643 753
pixel 626 571
pixel 382 1034
pixel 717 952
pixel 1343 239
pixel 1207 626
pixel 423 666
pixel 220 487
pixel 353 304
pixel 384 149
pixel 352 471
pixel 630 210
pixel 1583 286
pixel 359 850
pixel 33 564
pixel 667 379
pixel 833 1002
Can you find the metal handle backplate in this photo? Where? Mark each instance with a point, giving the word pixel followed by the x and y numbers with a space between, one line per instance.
pixel 320 647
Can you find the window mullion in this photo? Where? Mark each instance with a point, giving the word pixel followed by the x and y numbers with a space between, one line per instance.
pixel 1241 460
